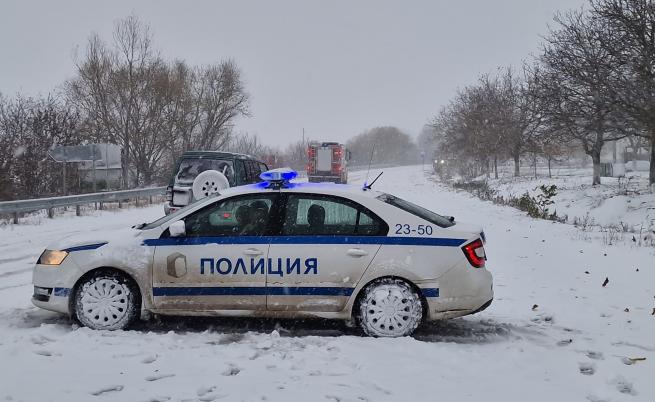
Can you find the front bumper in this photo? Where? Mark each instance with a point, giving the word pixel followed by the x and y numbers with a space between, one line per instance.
pixel 53 299
pixel 53 285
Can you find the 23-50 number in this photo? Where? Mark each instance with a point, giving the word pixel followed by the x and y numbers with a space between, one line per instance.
pixel 421 230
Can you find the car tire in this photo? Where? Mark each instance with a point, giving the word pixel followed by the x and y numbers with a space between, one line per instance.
pixel 107 300
pixel 389 308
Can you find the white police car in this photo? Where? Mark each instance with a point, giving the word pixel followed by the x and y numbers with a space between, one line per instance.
pixel 279 249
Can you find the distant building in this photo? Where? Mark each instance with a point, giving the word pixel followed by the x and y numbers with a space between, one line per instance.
pixel 108 170
pixel 633 152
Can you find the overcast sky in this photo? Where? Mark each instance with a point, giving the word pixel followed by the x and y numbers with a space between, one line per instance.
pixel 335 68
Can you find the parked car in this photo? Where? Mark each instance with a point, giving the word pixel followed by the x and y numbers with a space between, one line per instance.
pixel 236 169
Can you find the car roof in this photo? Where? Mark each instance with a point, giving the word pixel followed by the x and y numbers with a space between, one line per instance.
pixel 216 155
pixel 343 190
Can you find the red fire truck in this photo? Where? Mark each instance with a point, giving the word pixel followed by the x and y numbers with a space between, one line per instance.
pixel 327 161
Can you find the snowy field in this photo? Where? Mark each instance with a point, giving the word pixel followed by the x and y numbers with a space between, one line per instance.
pixel 553 333
pixel 625 201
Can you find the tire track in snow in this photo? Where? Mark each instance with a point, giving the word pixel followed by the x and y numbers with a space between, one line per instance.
pixel 16 272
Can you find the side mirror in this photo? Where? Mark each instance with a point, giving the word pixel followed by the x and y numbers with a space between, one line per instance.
pixel 348 155
pixel 177 229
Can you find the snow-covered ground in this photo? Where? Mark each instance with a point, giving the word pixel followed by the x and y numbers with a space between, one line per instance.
pixel 626 202
pixel 553 333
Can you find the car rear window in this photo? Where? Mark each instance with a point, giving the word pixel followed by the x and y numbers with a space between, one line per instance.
pixel 414 209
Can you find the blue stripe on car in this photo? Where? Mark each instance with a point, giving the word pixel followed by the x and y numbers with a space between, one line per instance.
pixel 265 291
pixel 85 247
pixel 62 292
pixel 388 240
pixel 309 291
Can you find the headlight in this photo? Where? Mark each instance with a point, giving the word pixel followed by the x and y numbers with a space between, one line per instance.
pixel 52 257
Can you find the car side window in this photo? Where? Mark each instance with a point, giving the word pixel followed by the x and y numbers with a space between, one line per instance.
pixel 241 172
pixel 248 172
pixel 326 215
pixel 253 171
pixel 237 216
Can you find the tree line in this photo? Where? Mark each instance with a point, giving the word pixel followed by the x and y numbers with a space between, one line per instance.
pixel 592 82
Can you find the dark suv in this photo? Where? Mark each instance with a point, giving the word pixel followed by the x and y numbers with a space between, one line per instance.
pixel 239 169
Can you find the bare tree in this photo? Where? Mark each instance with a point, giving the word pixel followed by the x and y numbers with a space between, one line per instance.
pixel 108 83
pixel 463 126
pixel 388 145
pixel 487 122
pixel 575 83
pixel 13 122
pixel 522 116
pixel 154 110
pixel 220 98
pixel 28 129
pixel 250 144
pixel 295 155
pixel 632 44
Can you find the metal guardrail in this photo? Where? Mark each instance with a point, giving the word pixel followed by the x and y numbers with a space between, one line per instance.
pixel 18 206
pixel 15 207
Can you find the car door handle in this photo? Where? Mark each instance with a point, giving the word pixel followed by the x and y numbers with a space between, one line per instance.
pixel 356 252
pixel 252 251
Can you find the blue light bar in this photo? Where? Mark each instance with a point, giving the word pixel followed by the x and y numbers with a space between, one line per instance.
pixel 279 175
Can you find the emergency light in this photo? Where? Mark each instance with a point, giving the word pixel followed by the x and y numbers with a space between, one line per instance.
pixel 278 177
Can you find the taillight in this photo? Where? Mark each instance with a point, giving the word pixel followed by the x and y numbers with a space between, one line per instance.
pixel 474 252
pixel 311 156
pixel 169 194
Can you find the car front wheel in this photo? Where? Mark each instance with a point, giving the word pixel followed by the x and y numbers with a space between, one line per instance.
pixel 389 308
pixel 107 300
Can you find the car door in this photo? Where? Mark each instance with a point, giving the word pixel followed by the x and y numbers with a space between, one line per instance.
pixel 324 245
pixel 220 263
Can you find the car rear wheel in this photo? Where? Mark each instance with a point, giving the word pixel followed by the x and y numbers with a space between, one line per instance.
pixel 390 308
pixel 107 300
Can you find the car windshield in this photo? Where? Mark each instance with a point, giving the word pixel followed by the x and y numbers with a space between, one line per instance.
pixel 172 216
pixel 190 168
pixel 414 209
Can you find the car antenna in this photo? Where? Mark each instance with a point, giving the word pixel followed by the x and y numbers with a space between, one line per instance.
pixel 366 186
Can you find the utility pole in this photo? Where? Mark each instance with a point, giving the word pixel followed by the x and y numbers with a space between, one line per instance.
pixel 64 178
pixel 93 165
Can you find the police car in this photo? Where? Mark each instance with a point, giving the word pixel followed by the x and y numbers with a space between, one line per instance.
pixel 275 249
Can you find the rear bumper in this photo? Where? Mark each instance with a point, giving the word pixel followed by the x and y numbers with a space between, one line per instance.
pixel 463 290
pixel 327 178
pixel 168 208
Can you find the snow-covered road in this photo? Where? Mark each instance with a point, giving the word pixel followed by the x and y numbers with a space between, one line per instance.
pixel 553 332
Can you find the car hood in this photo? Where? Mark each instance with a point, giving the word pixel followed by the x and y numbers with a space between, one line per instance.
pixel 88 240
